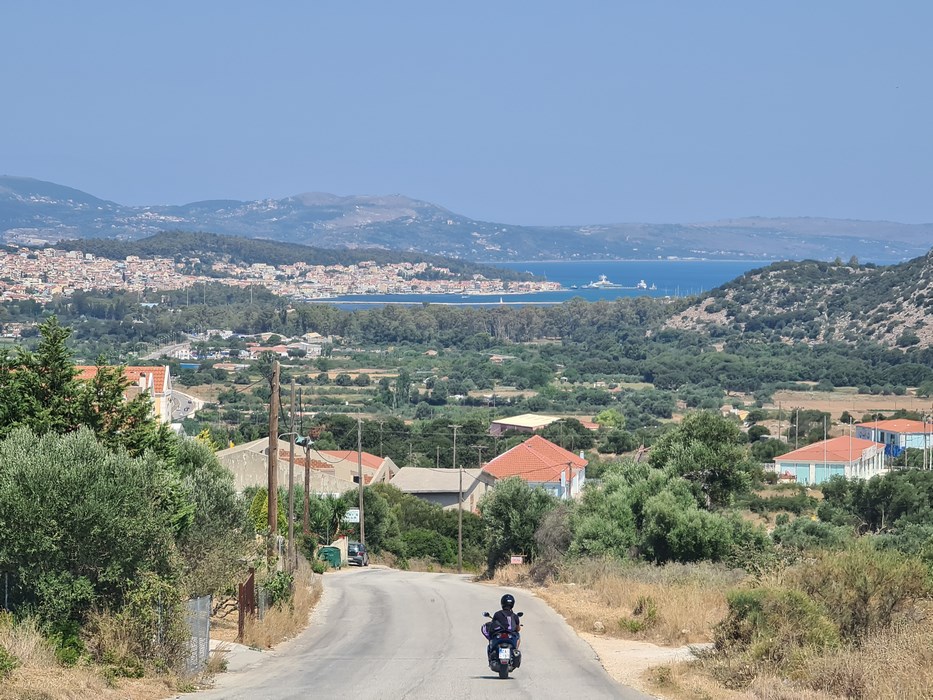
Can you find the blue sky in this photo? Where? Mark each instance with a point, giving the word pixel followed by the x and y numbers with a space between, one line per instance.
pixel 519 112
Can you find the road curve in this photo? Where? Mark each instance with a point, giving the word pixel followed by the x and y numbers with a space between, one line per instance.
pixel 382 633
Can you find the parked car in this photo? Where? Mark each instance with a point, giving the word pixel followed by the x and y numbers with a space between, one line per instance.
pixel 357 554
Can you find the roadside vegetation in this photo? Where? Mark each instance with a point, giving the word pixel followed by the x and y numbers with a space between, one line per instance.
pixel 109 524
pixel 827 598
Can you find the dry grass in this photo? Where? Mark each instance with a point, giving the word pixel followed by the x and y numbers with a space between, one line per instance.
pixel 670 605
pixel 284 622
pixel 24 641
pixel 894 664
pixel 844 399
pixel 40 677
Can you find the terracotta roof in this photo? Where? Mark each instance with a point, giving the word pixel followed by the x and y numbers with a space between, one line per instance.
pixel 899 425
pixel 368 460
pixel 839 449
pixel 536 460
pixel 156 372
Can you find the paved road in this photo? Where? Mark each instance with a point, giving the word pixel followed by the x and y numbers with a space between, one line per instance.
pixel 184 405
pixel 381 633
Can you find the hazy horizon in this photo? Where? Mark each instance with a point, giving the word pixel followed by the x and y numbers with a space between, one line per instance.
pixel 530 113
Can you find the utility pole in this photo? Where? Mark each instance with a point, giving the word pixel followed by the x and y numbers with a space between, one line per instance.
pixel 437 462
pixel 291 483
pixel 306 519
pixel 479 456
pixel 780 421
pixel 459 509
pixel 359 471
pixel 796 428
pixel 272 481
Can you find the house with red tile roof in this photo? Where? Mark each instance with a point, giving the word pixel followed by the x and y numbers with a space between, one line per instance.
pixel 897 434
pixel 154 381
pixel 330 471
pixel 847 456
pixel 542 463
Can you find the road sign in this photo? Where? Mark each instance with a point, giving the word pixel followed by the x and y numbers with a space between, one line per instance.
pixel 352 515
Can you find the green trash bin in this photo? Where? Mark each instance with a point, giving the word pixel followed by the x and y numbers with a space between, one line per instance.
pixel 331 555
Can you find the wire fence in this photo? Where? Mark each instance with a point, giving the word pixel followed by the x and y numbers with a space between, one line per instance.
pixel 198 618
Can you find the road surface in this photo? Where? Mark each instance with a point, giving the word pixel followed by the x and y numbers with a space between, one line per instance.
pixel 184 405
pixel 381 633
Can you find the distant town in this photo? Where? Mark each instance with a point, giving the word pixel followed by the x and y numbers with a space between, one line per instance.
pixel 40 275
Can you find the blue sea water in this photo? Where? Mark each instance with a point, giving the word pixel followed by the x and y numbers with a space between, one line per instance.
pixel 668 277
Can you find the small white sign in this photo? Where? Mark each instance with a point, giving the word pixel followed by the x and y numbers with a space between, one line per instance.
pixel 517 559
pixel 352 516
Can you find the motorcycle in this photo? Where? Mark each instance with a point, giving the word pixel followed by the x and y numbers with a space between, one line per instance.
pixel 502 651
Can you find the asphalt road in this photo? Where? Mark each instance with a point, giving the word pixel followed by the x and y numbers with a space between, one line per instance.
pixel 381 633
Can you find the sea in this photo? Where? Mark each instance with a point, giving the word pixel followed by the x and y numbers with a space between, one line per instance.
pixel 655 278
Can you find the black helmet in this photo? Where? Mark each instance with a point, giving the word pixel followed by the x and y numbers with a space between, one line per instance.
pixel 508 601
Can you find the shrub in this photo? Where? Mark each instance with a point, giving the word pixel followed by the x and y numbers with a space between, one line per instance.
pixel 863 587
pixel 8 663
pixel 423 543
pixel 804 534
pixel 771 624
pixel 279 586
pixel 644 615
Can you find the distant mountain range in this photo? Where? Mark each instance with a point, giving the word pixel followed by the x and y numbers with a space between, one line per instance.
pixel 34 212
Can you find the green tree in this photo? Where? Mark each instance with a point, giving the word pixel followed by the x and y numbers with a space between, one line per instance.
pixel 611 419
pixel 512 512
pixel 706 450
pixel 79 521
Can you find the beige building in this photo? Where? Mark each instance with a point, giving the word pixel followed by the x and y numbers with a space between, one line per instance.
pixel 525 423
pixel 442 486
pixel 330 471
pixel 154 381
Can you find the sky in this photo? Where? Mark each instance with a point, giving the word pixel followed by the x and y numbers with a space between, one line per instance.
pixel 516 112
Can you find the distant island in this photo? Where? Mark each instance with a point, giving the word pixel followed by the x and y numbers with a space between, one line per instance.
pixel 35 212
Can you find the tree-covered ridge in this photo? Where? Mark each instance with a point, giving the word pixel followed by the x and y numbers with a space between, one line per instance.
pixel 184 246
pixel 815 302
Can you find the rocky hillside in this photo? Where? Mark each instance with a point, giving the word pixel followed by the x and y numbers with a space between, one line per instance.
pixel 816 302
pixel 34 212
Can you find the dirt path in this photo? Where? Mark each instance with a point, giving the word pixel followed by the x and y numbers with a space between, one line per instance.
pixel 626 660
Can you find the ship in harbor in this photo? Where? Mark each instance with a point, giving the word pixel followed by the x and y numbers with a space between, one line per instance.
pixel 604 283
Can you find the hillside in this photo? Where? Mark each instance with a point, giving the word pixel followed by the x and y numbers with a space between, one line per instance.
pixel 211 247
pixel 816 302
pixel 36 212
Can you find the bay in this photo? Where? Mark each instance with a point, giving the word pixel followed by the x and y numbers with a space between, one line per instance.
pixel 655 278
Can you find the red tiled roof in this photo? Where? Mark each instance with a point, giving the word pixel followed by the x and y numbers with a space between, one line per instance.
pixel 536 460
pixel 839 449
pixel 899 425
pixel 369 460
pixel 157 372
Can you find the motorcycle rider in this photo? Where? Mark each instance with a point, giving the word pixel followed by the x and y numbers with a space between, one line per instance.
pixel 505 620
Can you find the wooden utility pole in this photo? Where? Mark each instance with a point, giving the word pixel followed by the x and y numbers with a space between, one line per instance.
pixel 272 482
pixel 306 519
pixel 459 508
pixel 359 471
pixel 291 482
